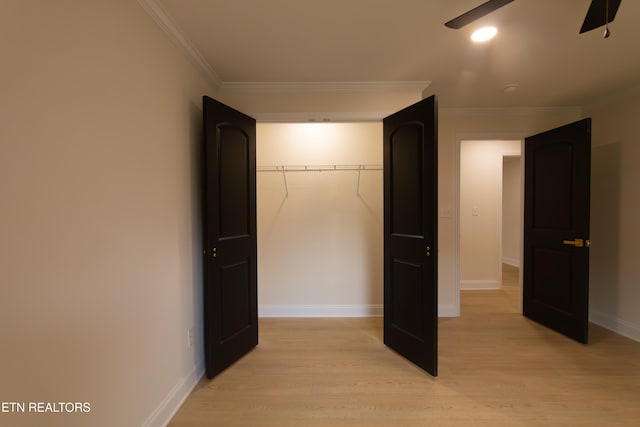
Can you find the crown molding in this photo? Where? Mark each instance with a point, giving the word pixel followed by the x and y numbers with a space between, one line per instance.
pixel 513 111
pixel 377 116
pixel 374 86
pixel 164 21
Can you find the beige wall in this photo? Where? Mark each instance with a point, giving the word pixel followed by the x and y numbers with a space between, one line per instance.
pixel 455 126
pixel 320 247
pixel 613 278
pixel 318 105
pixel 481 165
pixel 100 246
pixel 615 209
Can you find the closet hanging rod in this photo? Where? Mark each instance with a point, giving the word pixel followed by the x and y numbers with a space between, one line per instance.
pixel 318 168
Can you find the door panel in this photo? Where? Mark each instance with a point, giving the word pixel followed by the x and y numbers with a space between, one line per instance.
pixel 410 235
pixel 556 239
pixel 552 186
pixel 234 178
pixel 407 295
pixel 235 298
pixel 406 157
pixel 229 225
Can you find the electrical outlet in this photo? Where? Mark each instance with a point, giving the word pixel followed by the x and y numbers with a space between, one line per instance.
pixel 190 337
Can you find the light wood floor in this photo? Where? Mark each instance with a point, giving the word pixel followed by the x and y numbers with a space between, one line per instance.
pixel 496 368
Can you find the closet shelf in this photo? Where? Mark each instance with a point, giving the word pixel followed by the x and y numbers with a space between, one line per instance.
pixel 317 168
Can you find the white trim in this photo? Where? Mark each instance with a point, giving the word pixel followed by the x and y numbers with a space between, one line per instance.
pixel 168 25
pixel 354 86
pixel 449 310
pixel 162 415
pixel 479 284
pixel 320 117
pixel 511 261
pixel 501 157
pixel 509 111
pixel 456 223
pixel 499 179
pixel 490 136
pixel 620 326
pixel 320 310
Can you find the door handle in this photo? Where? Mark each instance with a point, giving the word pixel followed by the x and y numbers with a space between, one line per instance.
pixel 578 243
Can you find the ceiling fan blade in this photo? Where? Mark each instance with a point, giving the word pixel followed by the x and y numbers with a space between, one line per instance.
pixel 597 14
pixel 476 13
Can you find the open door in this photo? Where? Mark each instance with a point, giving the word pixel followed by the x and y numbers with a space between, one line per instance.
pixel 229 227
pixel 556 229
pixel 410 234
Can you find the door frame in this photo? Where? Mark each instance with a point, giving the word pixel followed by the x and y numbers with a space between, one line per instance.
pixel 455 310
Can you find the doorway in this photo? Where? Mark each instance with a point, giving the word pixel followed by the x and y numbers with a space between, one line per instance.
pixel 490 216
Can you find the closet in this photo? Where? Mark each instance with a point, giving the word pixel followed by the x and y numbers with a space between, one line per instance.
pixel 320 219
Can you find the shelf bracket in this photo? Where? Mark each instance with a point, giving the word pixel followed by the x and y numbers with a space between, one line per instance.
pixel 284 178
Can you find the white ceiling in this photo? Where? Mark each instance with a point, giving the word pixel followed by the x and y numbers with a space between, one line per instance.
pixel 538 47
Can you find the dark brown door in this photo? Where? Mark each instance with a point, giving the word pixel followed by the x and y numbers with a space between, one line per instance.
pixel 556 229
pixel 229 225
pixel 410 234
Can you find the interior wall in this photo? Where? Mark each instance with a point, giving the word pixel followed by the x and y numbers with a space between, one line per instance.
pixel 455 125
pixel 100 251
pixel 320 247
pixel 481 211
pixel 336 105
pixel 512 224
pixel 615 209
pixel 100 259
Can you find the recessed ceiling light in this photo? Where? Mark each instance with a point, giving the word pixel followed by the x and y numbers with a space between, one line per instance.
pixel 484 34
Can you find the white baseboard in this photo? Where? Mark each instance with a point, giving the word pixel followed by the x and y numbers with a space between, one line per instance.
pixel 479 284
pixel 511 261
pixel 175 398
pixel 448 310
pixel 622 327
pixel 295 310
pixel 364 310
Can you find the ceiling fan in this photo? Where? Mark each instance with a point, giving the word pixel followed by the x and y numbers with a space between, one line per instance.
pixel 600 13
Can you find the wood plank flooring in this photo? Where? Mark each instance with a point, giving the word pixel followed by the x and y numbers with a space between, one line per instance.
pixel 496 369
